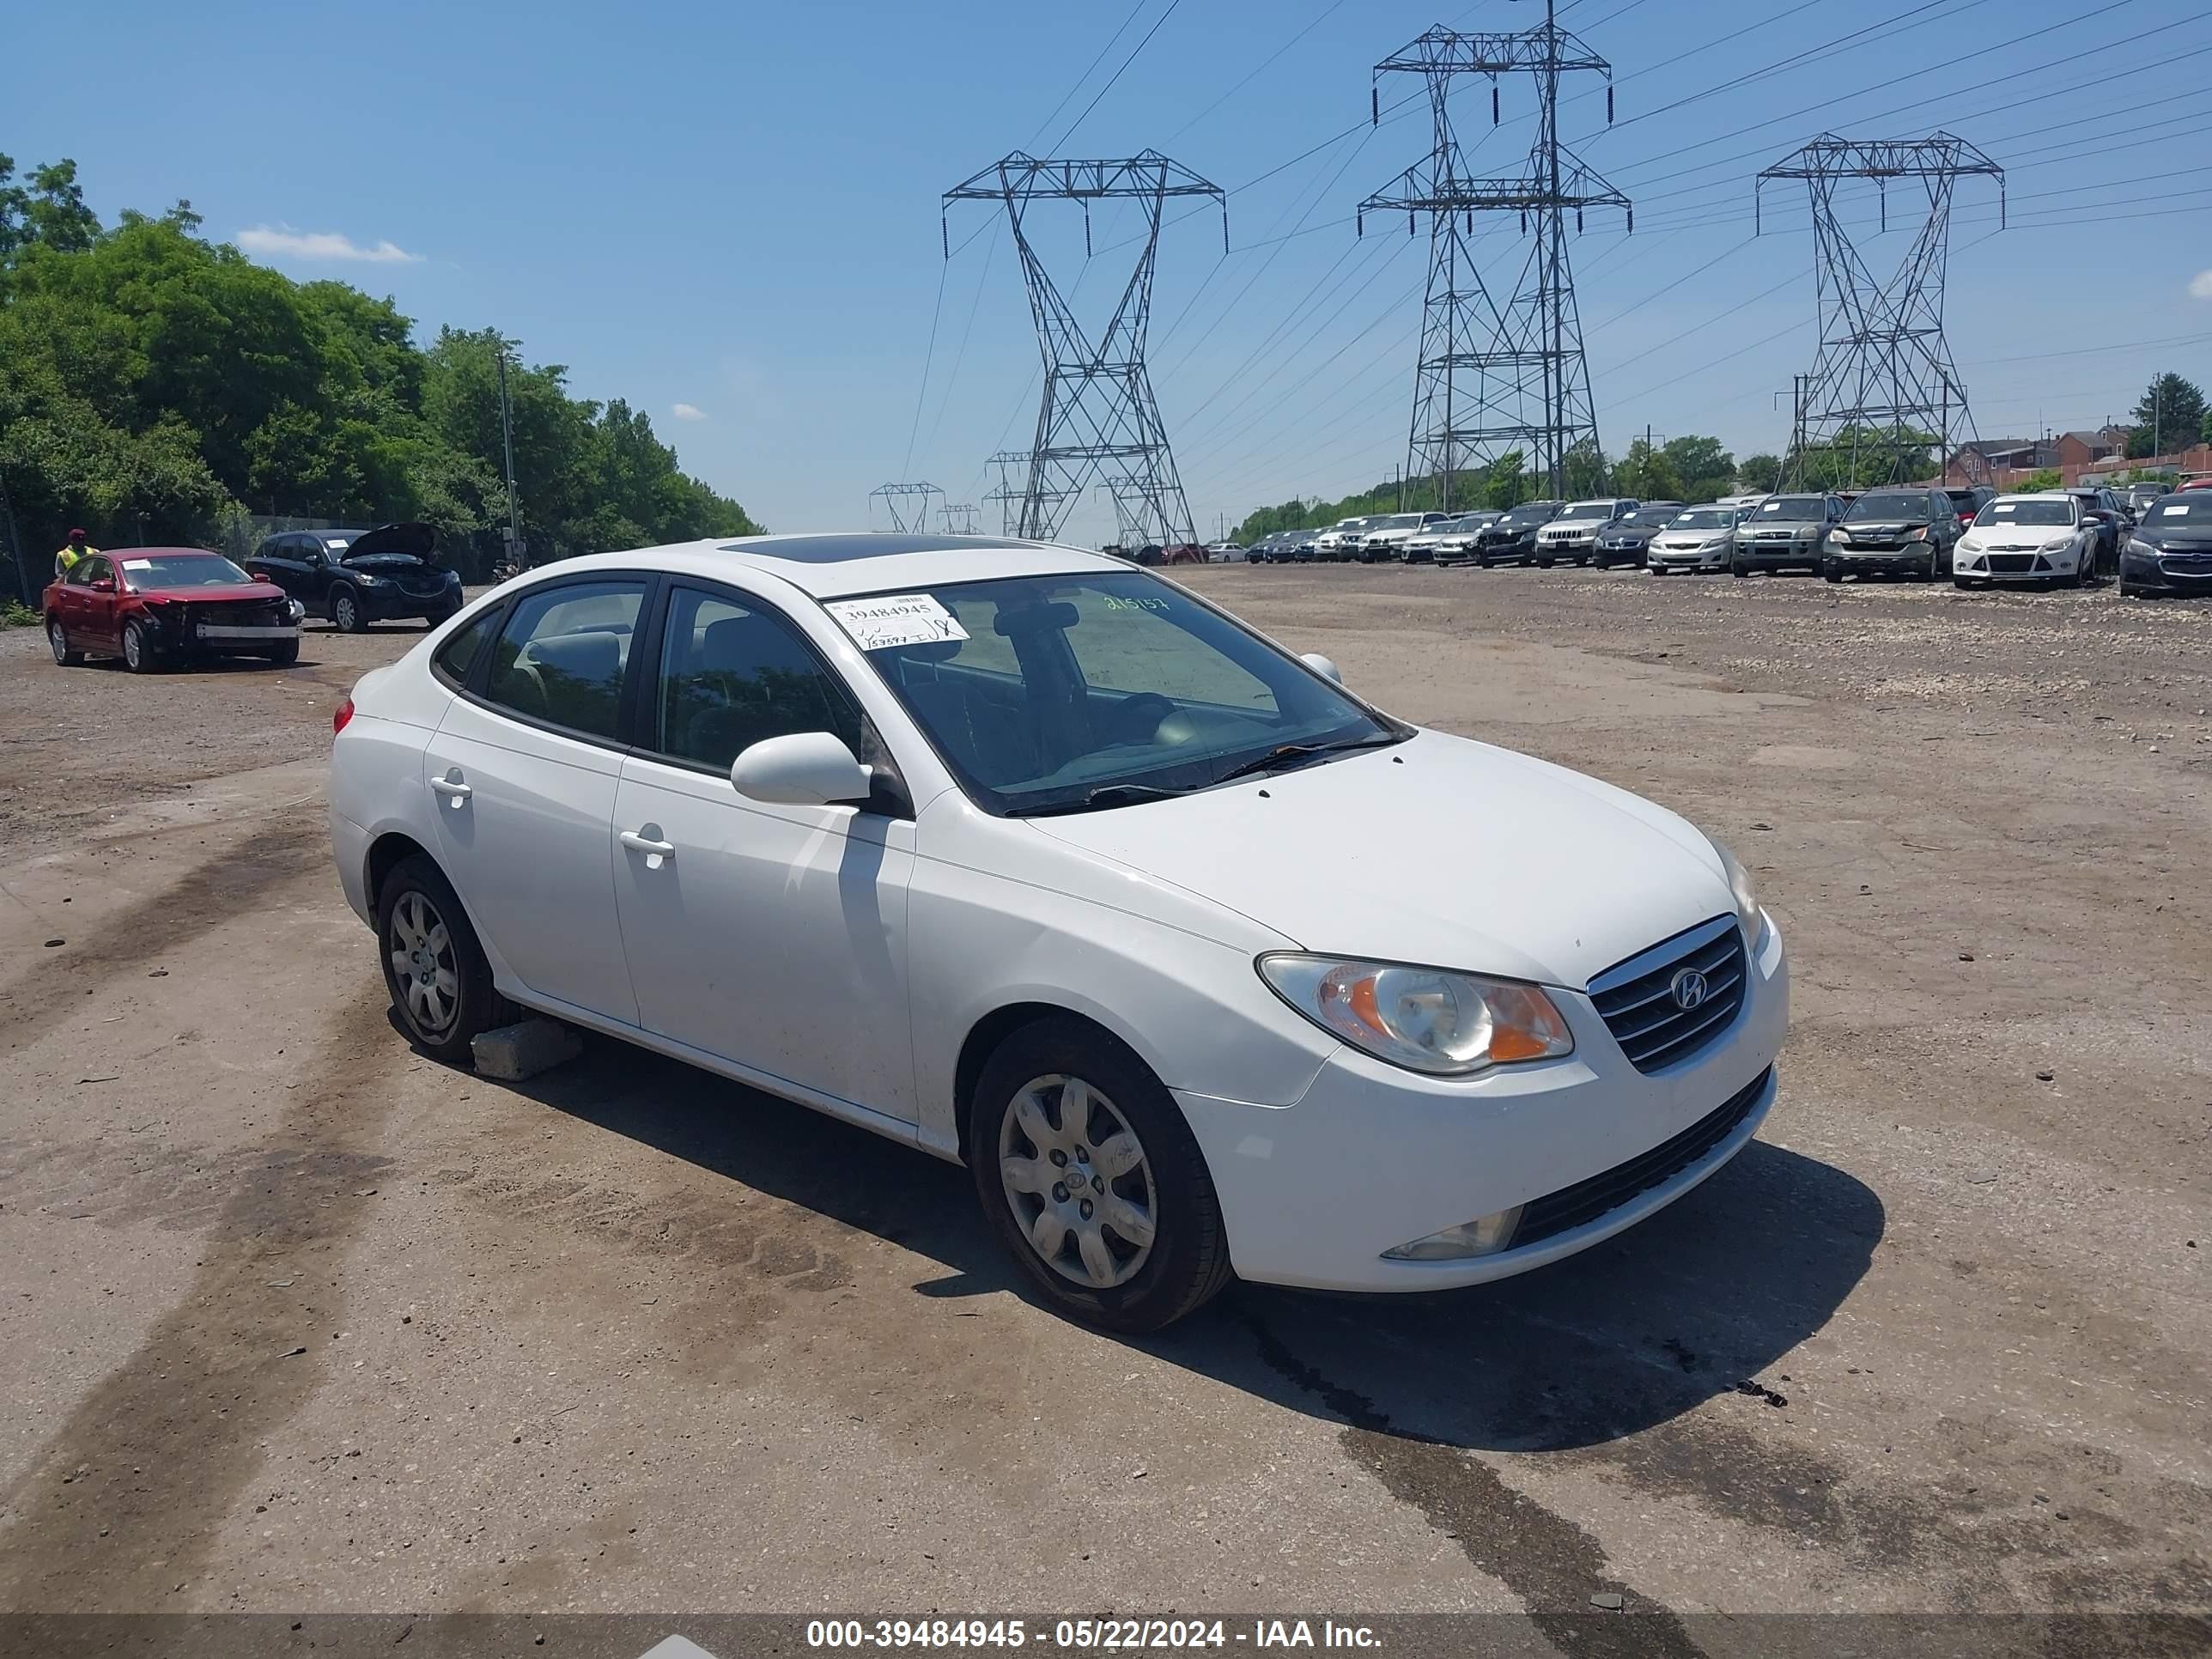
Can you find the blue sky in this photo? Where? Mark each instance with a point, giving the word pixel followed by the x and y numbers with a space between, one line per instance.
pixel 735 207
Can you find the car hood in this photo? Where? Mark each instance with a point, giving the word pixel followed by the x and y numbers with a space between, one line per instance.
pixel 1438 851
pixel 1883 526
pixel 2193 536
pixel 229 592
pixel 394 545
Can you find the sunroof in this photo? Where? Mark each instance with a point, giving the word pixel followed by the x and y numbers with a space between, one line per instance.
pixel 841 550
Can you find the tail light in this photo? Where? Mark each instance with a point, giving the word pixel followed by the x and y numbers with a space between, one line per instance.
pixel 344 713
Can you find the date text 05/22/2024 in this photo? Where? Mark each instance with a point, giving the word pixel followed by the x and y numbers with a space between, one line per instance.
pixel 1086 1634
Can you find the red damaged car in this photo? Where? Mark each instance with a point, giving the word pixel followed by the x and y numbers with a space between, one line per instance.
pixel 153 606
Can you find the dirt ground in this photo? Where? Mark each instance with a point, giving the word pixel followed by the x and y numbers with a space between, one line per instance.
pixel 292 1319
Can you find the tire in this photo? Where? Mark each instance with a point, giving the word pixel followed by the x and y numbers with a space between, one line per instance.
pixel 1960 583
pixel 445 1000
pixel 1124 1285
pixel 138 653
pixel 346 612
pixel 63 656
pixel 1833 573
pixel 285 655
pixel 1541 564
pixel 1738 568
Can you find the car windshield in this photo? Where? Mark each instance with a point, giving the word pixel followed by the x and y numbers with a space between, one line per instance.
pixel 1588 510
pixel 1964 500
pixel 180 570
pixel 1794 508
pixel 1067 693
pixel 1909 507
pixel 1532 514
pixel 1705 517
pixel 2196 512
pixel 2005 512
pixel 1657 515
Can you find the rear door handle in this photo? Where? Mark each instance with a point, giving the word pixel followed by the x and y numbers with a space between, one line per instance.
pixel 632 839
pixel 452 786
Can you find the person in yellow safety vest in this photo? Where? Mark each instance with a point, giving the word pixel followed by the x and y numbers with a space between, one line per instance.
pixel 71 551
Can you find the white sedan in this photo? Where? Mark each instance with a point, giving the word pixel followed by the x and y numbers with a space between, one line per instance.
pixel 2044 538
pixel 1004 849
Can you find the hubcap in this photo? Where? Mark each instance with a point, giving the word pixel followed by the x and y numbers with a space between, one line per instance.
pixel 345 613
pixel 422 962
pixel 133 648
pixel 54 637
pixel 1078 1181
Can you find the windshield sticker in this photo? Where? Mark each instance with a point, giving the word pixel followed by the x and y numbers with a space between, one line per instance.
pixel 1117 602
pixel 338 544
pixel 895 619
pixel 138 564
pixel 2005 507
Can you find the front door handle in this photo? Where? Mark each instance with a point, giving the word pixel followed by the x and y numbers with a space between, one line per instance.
pixel 644 843
pixel 452 786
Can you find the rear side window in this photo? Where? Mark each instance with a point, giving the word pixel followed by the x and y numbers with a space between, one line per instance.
pixel 731 676
pixel 560 658
pixel 459 654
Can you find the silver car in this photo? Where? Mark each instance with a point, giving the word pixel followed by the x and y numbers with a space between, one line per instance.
pixel 1785 533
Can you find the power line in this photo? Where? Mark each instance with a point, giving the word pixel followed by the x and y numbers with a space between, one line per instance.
pixel 1114 78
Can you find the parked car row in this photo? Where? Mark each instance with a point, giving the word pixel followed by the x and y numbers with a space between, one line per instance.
pixel 2155 541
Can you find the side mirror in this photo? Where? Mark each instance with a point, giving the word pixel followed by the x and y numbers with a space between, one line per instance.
pixel 1322 666
pixel 807 768
pixel 104 585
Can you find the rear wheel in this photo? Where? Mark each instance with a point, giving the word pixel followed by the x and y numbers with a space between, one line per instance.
pixel 1092 1179
pixel 59 641
pixel 434 968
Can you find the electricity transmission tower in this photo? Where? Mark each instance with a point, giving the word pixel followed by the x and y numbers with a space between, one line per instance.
pixel 958 517
pixel 1012 490
pixel 1493 378
pixel 907 503
pixel 1883 386
pixel 1098 421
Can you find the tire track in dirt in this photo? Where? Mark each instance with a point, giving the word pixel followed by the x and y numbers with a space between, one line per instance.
pixel 123 1506
pixel 214 892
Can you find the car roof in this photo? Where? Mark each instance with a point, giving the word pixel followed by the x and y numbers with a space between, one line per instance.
pixel 2038 494
pixel 833 564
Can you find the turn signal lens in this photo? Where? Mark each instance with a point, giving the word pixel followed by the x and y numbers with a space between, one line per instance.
pixel 1426 1019
pixel 343 713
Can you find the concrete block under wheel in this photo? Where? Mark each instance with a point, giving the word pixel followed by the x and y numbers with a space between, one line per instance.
pixel 511 1052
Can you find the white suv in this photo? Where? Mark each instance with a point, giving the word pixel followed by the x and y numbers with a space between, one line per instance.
pixel 1388 539
pixel 1573 533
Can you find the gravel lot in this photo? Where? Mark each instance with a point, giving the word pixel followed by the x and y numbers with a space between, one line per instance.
pixel 295 1320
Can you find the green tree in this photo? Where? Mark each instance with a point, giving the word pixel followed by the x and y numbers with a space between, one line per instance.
pixel 1507 485
pixel 1647 472
pixel 1758 471
pixel 2048 478
pixel 48 208
pixel 1703 468
pixel 2169 412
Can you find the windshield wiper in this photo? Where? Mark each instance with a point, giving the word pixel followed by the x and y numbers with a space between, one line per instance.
pixel 1107 794
pixel 1285 754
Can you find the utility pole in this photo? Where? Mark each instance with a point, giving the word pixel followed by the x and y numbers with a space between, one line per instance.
pixel 1490 378
pixel 1882 362
pixel 1098 421
pixel 907 505
pixel 506 442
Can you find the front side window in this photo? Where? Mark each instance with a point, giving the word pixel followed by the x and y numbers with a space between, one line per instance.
pixel 732 675
pixel 560 658
pixel 1076 692
pixel 88 570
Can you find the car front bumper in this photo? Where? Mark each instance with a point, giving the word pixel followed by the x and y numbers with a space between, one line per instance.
pixel 384 602
pixel 1688 558
pixel 1761 554
pixel 1371 1157
pixel 1871 561
pixel 2184 573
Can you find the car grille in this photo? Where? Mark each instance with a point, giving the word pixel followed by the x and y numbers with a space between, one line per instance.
pixel 422 586
pixel 2187 564
pixel 2012 563
pixel 235 613
pixel 1587 1200
pixel 1636 998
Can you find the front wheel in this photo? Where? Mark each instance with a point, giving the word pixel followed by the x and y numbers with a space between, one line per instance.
pixel 283 656
pixel 1092 1179
pixel 346 612
pixel 437 974
pixel 1738 568
pixel 59 641
pixel 137 649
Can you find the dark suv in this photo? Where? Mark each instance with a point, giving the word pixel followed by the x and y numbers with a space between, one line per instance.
pixel 356 577
pixel 1894 530
pixel 1512 539
pixel 1784 533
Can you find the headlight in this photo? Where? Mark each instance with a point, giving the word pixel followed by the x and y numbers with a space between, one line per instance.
pixel 1747 901
pixel 1713 546
pixel 1969 544
pixel 294 610
pixel 365 579
pixel 1841 536
pixel 2058 544
pixel 1426 1019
